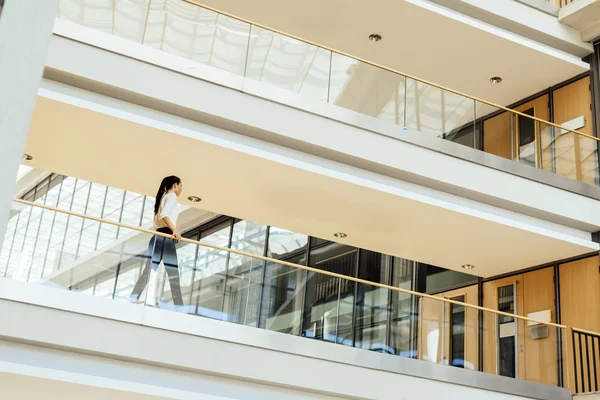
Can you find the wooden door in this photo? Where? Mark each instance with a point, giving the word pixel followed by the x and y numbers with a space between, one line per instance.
pixel 470 328
pixel 536 358
pixel 491 325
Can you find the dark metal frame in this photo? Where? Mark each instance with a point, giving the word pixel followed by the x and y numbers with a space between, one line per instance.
pixel 480 322
pixel 559 341
pixel 588 337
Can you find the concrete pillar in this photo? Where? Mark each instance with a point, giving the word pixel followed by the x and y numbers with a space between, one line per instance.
pixel 25 32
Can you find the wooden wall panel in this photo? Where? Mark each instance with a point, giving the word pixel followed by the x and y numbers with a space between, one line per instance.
pixel 435 329
pixel 579 304
pixel 541 359
pixel 575 156
pixel 497 130
pixel 496 135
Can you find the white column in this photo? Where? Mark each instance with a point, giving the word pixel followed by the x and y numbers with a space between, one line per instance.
pixel 25 32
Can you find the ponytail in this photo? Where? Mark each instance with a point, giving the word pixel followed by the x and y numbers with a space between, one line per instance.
pixel 166 184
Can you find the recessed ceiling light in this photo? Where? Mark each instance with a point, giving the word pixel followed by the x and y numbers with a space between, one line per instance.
pixel 495 79
pixel 27 157
pixel 468 266
pixel 340 235
pixel 194 199
pixel 374 37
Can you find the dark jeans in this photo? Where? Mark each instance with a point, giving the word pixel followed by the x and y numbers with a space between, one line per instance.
pixel 161 249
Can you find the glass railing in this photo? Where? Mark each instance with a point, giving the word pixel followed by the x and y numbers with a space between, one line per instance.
pixel 285 64
pixel 206 278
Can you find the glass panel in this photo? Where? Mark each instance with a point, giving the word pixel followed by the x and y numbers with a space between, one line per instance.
pixel 403 335
pixel 206 295
pixel 98 17
pixel 244 274
pixel 367 89
pixel 440 279
pixel 588 161
pixel 457 333
pixel 569 154
pixel 284 287
pixel 283 297
pixel 437 112
pixel 198 34
pixel 288 64
pixel 128 18
pixel 326 295
pixel 449 334
pixel 526 139
pixel 497 131
pixel 283 243
pixel 507 328
pixel 431 313
pixel 132 209
pixel 373 310
pixel 94 274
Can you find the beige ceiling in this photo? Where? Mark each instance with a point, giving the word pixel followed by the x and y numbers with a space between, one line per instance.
pixel 101 148
pixel 28 387
pixel 418 41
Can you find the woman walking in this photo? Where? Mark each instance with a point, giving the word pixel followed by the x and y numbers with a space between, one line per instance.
pixel 162 248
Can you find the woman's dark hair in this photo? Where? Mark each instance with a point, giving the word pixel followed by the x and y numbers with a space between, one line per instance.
pixel 166 184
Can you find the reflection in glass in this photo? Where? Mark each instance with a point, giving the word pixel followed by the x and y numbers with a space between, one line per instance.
pixel 283 290
pixel 568 154
pixel 367 89
pixel 588 159
pixel 198 34
pixel 437 112
pixel 527 139
pixel 283 297
pixel 244 274
pixel 457 333
pixel 507 327
pixel 209 274
pixel 288 63
pixel 403 331
pixel 440 279
pixel 283 243
pixel 327 297
pixel 372 303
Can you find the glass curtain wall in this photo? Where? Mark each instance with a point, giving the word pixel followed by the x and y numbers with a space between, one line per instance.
pixel 39 243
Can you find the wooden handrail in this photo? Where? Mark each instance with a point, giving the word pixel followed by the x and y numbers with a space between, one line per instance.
pixel 586 332
pixel 287 264
pixel 198 4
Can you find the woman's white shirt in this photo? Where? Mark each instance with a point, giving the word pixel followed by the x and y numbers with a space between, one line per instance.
pixel 167 208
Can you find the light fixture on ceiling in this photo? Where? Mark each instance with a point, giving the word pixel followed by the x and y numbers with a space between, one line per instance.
pixel 374 37
pixel 27 157
pixel 468 266
pixel 340 235
pixel 194 199
pixel 495 79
